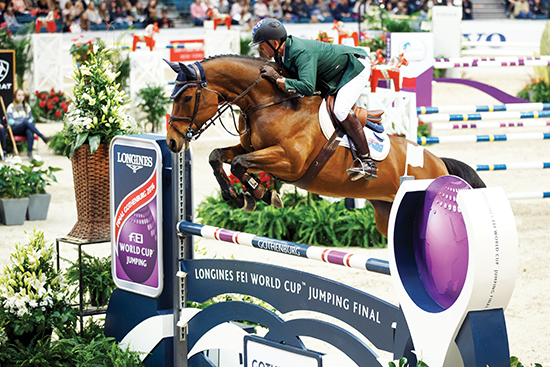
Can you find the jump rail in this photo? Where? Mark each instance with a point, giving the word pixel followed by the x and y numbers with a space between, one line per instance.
pixel 484 116
pixel 286 247
pixel 426 110
pixel 510 166
pixel 489 124
pixel 424 140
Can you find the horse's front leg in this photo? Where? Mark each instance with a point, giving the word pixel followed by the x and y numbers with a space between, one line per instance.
pixel 229 193
pixel 271 159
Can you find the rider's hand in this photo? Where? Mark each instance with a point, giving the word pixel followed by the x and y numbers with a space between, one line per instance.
pixel 270 74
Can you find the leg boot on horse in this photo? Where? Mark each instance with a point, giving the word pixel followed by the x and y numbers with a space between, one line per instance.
pixel 363 165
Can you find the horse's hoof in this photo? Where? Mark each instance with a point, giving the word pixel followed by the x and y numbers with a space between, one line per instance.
pixel 249 203
pixel 272 198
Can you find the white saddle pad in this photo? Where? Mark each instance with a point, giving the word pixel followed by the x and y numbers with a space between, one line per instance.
pixel 379 143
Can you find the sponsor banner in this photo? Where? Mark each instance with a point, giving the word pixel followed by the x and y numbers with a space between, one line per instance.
pixel 190 50
pixel 136 223
pixel 7 76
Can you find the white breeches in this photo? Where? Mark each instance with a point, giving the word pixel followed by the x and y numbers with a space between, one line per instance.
pixel 349 93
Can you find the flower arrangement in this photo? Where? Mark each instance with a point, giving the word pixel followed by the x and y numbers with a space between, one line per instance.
pixel 538 90
pixel 34 298
pixel 97 113
pixel 265 179
pixel 375 43
pixel 80 50
pixel 52 105
pixel 323 37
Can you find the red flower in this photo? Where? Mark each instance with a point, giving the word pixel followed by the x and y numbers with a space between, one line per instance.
pixel 50 106
pixel 42 104
pixel 65 108
pixel 62 104
pixel 58 113
pixel 55 99
pixel 37 94
pixel 44 95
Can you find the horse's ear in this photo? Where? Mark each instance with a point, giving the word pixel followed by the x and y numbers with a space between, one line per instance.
pixel 189 72
pixel 173 65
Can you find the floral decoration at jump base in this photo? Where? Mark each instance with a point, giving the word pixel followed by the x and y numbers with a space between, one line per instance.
pixel 95 117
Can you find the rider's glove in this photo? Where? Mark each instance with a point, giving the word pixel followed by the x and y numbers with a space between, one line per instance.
pixel 270 74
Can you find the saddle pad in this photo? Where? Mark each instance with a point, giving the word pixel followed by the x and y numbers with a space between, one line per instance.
pixel 379 143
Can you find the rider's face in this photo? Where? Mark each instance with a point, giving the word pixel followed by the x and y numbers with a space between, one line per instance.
pixel 266 51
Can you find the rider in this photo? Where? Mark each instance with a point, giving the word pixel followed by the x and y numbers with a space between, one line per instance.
pixel 331 69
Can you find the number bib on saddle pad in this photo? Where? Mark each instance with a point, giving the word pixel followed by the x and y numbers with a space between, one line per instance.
pixel 379 143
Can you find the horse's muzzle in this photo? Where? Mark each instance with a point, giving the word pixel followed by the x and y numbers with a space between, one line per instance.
pixel 176 147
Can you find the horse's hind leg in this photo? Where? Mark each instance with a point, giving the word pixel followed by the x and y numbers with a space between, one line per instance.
pixel 226 155
pixel 381 215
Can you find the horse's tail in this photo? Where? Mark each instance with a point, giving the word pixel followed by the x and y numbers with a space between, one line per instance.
pixel 464 171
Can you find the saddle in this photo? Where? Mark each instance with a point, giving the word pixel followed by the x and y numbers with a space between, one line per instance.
pixel 371 119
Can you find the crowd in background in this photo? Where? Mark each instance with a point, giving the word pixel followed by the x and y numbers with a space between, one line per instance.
pixel 84 15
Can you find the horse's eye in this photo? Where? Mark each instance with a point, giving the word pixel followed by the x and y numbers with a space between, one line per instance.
pixel 187 99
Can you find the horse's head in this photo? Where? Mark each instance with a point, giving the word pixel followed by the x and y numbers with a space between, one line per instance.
pixel 193 105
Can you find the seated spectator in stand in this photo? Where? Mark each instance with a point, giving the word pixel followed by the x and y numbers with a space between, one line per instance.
pixel 261 10
pixel 19 7
pixel 66 11
pixel 127 9
pixel 324 10
pixel 342 10
pixel 198 13
pixel 275 9
pixel 235 12
pixel 103 12
pixel 93 14
pixel 467 10
pixel 247 19
pixel 152 4
pixel 299 9
pixel 84 22
pixel 401 8
pixel 21 121
pixel 44 7
pixel 152 18
pixel 9 17
pixel 537 10
pixel 118 16
pixel 223 7
pixel 138 12
pixel 77 9
pixel 288 12
pixel 165 22
pixel 521 9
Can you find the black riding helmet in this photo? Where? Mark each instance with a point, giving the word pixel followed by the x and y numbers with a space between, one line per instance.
pixel 267 29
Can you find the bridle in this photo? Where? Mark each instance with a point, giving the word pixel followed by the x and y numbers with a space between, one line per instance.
pixel 193 130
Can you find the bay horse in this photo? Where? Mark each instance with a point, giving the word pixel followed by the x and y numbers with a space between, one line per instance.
pixel 280 134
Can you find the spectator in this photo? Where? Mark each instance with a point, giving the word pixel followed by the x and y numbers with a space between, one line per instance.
pixel 521 9
pixel 236 10
pixel 127 9
pixel 165 22
pixel 103 12
pixel 299 9
pixel 93 14
pixel 324 10
pixel 66 11
pixel 9 17
pixel 198 13
pixel 288 11
pixel 77 9
pixel 19 7
pixel 118 16
pixel 223 7
pixel 84 21
pixel 138 12
pixel 152 18
pixel 152 4
pixel 21 121
pixel 342 10
pixel 275 10
pixel 537 10
pixel 260 10
pixel 44 7
pixel 401 8
pixel 467 13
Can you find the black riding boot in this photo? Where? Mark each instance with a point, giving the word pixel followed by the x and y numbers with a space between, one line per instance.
pixel 363 166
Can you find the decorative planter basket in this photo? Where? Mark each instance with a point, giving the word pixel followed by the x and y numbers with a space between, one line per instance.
pixel 91 185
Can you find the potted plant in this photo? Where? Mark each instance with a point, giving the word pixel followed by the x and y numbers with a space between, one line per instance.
pixel 153 103
pixel 34 299
pixel 95 116
pixel 14 195
pixel 38 179
pixel 50 106
pixel 97 281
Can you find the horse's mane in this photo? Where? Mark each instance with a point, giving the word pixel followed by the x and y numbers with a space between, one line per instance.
pixel 235 56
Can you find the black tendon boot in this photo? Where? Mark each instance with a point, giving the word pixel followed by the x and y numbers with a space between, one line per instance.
pixel 363 166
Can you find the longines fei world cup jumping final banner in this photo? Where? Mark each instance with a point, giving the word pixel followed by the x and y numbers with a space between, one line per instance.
pixel 7 76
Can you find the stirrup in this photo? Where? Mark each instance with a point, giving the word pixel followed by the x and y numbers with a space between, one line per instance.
pixel 363 168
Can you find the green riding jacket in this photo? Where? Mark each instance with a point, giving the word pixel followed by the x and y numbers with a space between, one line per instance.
pixel 320 66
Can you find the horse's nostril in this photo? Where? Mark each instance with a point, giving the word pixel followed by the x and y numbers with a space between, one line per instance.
pixel 173 145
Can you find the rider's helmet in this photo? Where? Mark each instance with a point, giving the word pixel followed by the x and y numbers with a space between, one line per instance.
pixel 267 29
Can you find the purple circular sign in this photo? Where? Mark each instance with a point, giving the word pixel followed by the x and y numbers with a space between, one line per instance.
pixel 441 241
pixel 137 247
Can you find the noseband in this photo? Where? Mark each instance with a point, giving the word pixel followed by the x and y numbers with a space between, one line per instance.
pixel 193 130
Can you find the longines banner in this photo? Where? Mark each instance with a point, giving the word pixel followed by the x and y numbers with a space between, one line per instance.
pixel 7 76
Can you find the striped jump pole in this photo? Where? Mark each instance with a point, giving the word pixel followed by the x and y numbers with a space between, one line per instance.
pixel 427 110
pixel 489 124
pixel 529 195
pixel 285 247
pixel 444 117
pixel 423 140
pixel 510 166
pixel 467 62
